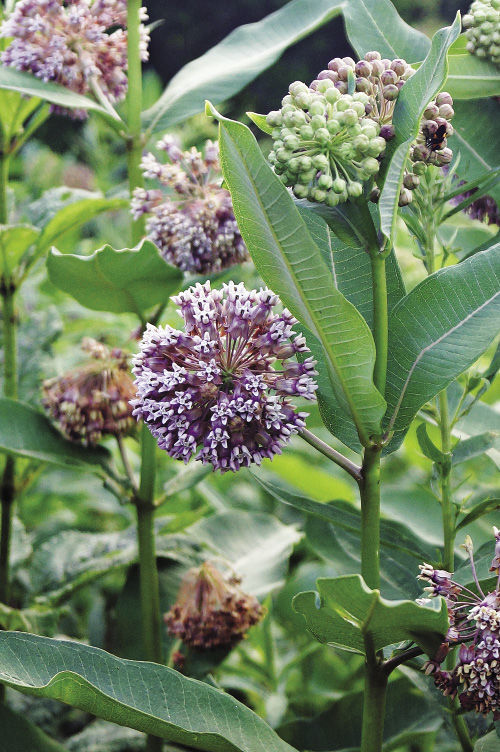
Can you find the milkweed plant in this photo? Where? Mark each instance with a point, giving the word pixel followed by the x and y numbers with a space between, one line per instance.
pixel 288 378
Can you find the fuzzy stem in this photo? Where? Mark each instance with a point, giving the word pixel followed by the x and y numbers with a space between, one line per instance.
pixel 372 729
pixel 449 531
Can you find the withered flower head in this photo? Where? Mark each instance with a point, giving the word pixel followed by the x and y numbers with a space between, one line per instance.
pixel 211 609
pixel 93 401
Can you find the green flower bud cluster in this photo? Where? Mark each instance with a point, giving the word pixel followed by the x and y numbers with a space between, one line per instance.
pixel 482 24
pixel 325 145
pixel 381 79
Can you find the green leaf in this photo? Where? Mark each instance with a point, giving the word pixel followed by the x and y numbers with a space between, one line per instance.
pixel 484 507
pixel 20 735
pixel 429 449
pixel 116 280
pixel 480 419
pixel 35 619
pixel 474 446
pixel 469 77
pixel 409 715
pixel 229 66
pixel 75 214
pixel 350 615
pixel 25 83
pixel 257 545
pixel 14 242
pixel 488 743
pixel 350 267
pixel 27 433
pixel 289 262
pixel 261 122
pixel 72 559
pixel 411 103
pixel 376 25
pixel 475 138
pixel 145 696
pixel 438 330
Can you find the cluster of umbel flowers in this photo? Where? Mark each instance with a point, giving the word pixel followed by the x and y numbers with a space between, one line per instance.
pixel 193 223
pixel 212 391
pixel 93 401
pixel 211 609
pixel 482 24
pixel 80 44
pixel 475 625
pixel 330 137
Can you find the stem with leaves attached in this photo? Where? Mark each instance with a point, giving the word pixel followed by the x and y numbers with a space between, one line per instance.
pixel 369 485
pixel 144 499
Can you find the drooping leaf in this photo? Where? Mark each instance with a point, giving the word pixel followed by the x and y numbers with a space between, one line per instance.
pixel 409 715
pixel 411 103
pixel 478 510
pixel 488 743
pixel 116 280
pixel 257 546
pixel 27 433
pixel 238 59
pixel 145 696
pixel 376 25
pixel 74 214
pixel 20 735
pixel 481 418
pixel 438 330
pixel 289 262
pixel 350 614
pixel 469 77
pixel 474 446
pixel 14 242
pixel 25 83
pixel 475 139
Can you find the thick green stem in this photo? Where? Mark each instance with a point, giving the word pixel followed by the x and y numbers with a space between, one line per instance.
pixel 134 107
pixel 449 531
pixel 370 517
pixel 462 732
pixel 380 320
pixel 372 729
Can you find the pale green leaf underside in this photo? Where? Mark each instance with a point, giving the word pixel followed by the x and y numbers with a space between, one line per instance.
pixel 145 696
pixel 238 59
pixel 25 83
pixel 438 330
pixel 115 280
pixel 290 263
pixel 469 77
pixel 350 614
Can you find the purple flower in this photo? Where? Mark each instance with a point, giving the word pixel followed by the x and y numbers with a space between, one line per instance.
pixel 212 391
pixel 192 223
pixel 212 610
pixel 475 624
pixel 92 401
pixel 71 43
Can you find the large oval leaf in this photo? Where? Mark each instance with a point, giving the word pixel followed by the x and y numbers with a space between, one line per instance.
pixel 291 264
pixel 26 432
pixel 109 280
pixel 238 59
pixel 376 25
pixel 145 696
pixel 438 330
pixel 469 77
pixel 411 103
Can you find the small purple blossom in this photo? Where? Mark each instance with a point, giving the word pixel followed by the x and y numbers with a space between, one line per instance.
pixel 192 223
pixel 212 391
pixel 71 44
pixel 475 624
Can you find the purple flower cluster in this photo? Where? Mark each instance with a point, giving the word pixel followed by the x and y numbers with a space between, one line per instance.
pixel 212 610
pixel 475 624
pixel 193 223
pixel 212 391
pixel 74 43
pixel 94 400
